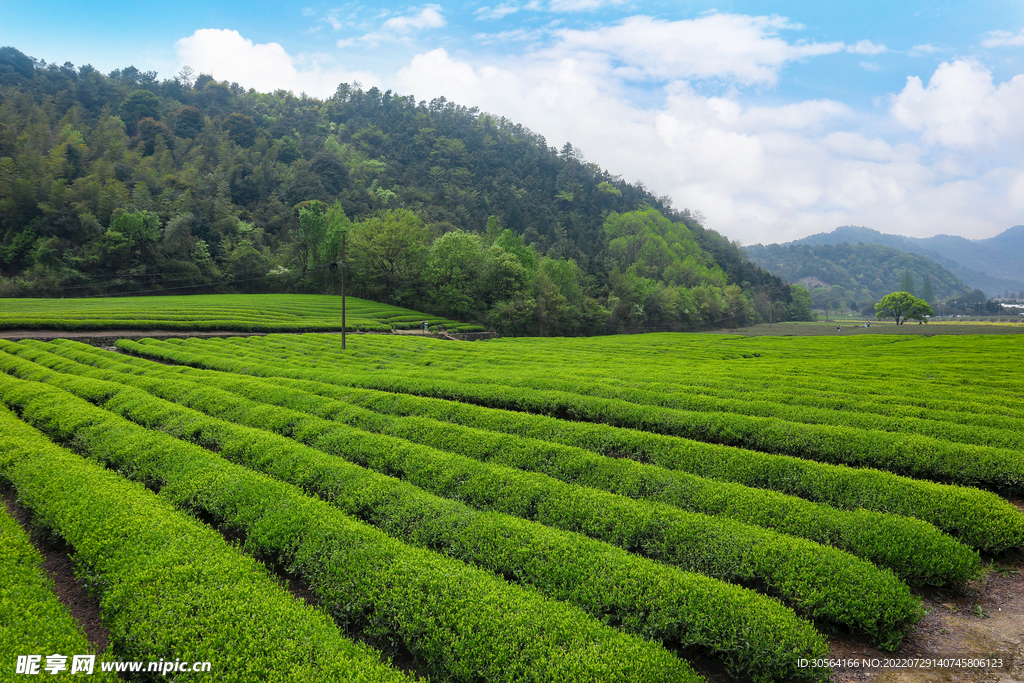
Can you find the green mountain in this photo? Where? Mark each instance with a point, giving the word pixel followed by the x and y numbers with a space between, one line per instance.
pixel 995 265
pixel 854 276
pixel 122 183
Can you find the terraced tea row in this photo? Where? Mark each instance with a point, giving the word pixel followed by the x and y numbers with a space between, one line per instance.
pixel 916 551
pixel 821 582
pixel 546 485
pixel 982 520
pixel 761 370
pixel 459 623
pixel 152 565
pixel 645 597
pixel 997 469
pixel 32 618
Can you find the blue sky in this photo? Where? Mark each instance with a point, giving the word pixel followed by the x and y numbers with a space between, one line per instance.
pixel 774 119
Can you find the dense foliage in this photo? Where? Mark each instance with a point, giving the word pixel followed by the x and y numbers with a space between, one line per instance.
pixel 121 183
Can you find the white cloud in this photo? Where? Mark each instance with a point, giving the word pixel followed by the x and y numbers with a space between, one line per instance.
pixel 265 66
pixel 866 47
pixel 743 48
pixel 961 108
pixel 399 28
pixel 925 49
pixel 759 173
pixel 428 17
pixel 580 5
pixel 502 10
pixel 514 35
pixel 949 159
pixel 1003 39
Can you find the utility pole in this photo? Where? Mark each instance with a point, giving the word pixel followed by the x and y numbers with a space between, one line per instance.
pixel 343 291
pixel 338 225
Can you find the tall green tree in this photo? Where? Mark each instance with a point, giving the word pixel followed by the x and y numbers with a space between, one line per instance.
pixel 907 282
pixel 926 289
pixel 453 273
pixel 139 105
pixel 800 307
pixel 309 235
pixel 388 254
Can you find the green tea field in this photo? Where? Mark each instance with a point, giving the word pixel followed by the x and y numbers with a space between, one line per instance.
pixel 221 312
pixel 662 507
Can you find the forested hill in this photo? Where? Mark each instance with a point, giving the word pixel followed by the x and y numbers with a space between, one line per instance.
pixel 856 275
pixel 123 183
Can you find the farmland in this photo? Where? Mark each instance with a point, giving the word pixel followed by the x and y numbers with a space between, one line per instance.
pixel 659 507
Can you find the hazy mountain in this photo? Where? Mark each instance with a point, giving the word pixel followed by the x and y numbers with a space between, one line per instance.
pixel 855 274
pixel 993 265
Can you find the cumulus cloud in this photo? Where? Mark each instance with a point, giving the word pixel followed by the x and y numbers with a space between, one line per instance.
pixel 1003 39
pixel 740 47
pixel 949 156
pixel 961 108
pixel 759 173
pixel 265 66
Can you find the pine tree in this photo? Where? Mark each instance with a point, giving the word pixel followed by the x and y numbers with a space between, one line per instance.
pixel 926 289
pixel 907 284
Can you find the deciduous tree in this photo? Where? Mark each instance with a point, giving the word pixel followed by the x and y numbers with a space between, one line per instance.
pixel 902 306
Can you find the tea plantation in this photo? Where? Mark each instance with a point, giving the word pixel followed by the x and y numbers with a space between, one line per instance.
pixel 621 508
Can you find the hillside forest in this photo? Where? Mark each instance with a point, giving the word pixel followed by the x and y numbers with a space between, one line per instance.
pixel 125 184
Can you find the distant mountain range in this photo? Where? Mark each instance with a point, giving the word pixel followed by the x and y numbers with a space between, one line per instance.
pixel 854 275
pixel 992 265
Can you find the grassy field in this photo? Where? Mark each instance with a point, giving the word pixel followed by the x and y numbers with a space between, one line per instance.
pixel 231 312
pixel 661 507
